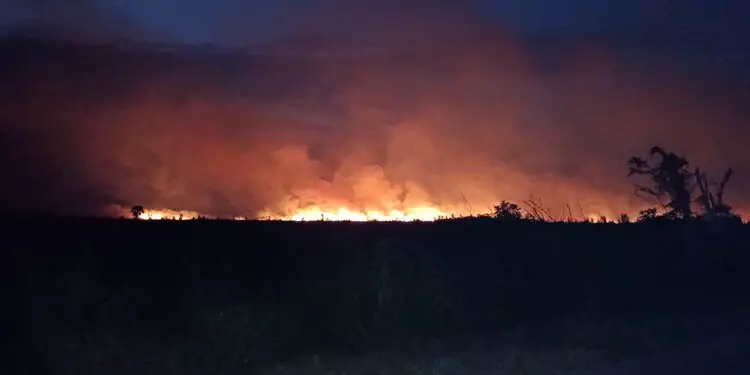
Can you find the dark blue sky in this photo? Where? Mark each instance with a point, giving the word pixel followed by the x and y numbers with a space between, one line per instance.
pixel 240 21
pixel 203 20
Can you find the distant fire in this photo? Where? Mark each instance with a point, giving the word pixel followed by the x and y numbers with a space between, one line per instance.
pixel 179 215
pixel 152 214
pixel 321 213
pixel 343 214
pixel 313 213
pixel 168 215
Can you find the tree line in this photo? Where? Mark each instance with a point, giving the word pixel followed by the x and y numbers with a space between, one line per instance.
pixel 676 190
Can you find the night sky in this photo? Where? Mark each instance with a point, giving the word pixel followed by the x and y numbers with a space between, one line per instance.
pixel 704 30
pixel 237 21
pixel 501 98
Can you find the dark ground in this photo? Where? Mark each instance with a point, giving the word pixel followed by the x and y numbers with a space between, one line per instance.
pixel 474 296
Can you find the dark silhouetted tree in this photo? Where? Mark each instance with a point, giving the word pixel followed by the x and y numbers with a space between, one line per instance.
pixel 649 214
pixel 137 211
pixel 507 211
pixel 713 205
pixel 671 182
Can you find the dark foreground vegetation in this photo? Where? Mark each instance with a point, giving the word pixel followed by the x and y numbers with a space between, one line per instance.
pixel 222 297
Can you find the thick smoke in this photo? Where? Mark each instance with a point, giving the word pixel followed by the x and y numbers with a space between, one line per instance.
pixel 459 122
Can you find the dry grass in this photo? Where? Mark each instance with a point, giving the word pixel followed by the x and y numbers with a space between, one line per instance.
pixel 569 346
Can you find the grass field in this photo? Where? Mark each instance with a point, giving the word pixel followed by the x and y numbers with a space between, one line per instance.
pixel 450 297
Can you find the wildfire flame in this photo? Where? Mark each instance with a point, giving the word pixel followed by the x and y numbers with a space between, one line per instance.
pixel 313 213
pixel 179 215
pixel 344 214
pixel 322 213
pixel 168 215
pixel 153 214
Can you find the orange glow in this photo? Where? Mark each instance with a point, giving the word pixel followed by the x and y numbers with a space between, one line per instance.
pixel 313 213
pixel 319 213
pixel 153 214
pixel 441 132
pixel 316 213
pixel 168 215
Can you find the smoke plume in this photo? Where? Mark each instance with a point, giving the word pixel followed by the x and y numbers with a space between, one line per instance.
pixel 439 111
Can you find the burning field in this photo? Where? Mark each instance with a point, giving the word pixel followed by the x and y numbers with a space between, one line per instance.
pixel 313 213
pixel 359 111
pixel 447 129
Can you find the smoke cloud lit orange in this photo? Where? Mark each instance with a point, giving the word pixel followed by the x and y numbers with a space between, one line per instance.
pixel 445 129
